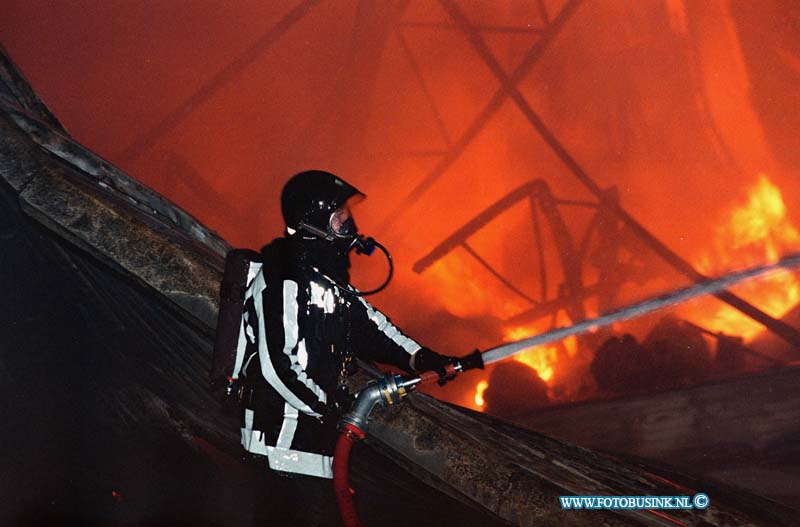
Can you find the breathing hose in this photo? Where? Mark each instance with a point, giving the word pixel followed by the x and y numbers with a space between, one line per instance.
pixel 367 246
pixel 361 245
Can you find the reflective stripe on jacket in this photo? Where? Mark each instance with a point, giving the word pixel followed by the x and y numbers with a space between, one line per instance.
pixel 298 326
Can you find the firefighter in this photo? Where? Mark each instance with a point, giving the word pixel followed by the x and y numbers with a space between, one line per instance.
pixel 304 324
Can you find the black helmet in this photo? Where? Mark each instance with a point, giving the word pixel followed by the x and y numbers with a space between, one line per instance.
pixel 309 200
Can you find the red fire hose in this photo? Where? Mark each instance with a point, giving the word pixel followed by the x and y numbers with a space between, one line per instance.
pixel 388 390
pixel 341 461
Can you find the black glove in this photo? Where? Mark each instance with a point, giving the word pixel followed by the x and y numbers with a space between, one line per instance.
pixel 426 359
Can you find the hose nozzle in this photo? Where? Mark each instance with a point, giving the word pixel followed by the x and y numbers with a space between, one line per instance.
pixel 473 361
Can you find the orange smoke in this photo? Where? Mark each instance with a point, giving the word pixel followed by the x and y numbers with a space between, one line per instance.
pixel 464 293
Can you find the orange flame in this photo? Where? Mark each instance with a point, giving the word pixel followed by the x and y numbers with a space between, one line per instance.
pixel 755 232
pixel 543 359
pixel 479 389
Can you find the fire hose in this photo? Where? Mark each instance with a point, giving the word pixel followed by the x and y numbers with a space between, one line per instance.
pixel 391 389
pixel 388 390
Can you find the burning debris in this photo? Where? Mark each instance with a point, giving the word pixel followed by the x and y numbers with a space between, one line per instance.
pixel 700 341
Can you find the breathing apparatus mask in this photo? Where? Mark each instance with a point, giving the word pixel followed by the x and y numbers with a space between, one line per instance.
pixel 318 203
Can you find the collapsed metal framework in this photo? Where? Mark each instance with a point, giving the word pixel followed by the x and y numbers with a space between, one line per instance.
pixel 551 26
pixel 572 293
pixel 510 90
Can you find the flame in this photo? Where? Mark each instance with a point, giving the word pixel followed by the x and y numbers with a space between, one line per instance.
pixel 544 358
pixel 540 358
pixel 763 220
pixel 755 232
pixel 751 232
pixel 479 389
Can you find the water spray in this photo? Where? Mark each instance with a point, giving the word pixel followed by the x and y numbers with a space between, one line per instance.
pixel 706 287
pixel 391 389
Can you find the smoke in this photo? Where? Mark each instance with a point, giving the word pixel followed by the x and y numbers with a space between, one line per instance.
pixel 677 104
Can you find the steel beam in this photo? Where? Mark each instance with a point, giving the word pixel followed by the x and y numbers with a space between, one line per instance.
pixel 480 121
pixel 508 84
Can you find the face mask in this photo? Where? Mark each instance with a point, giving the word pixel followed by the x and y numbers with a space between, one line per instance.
pixel 342 233
pixel 343 230
pixel 342 224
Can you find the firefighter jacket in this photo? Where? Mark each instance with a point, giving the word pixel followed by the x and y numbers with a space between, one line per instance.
pixel 299 333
